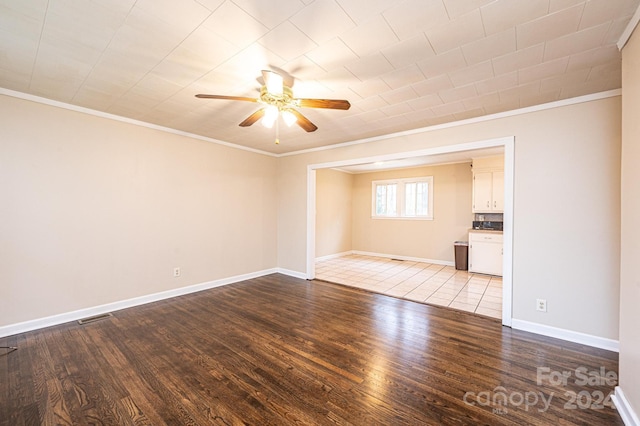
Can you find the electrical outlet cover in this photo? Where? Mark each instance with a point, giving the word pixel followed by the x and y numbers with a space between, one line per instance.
pixel 541 305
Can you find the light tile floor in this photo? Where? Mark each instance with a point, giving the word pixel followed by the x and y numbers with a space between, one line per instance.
pixel 417 281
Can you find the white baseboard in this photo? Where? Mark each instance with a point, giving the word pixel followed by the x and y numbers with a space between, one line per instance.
pixel 291 273
pixel 387 256
pixel 22 327
pixel 410 258
pixel 561 333
pixel 629 416
pixel 333 256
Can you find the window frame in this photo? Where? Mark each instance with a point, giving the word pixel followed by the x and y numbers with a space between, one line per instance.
pixel 400 198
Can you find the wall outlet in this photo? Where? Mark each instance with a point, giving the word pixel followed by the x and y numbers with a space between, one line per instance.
pixel 176 272
pixel 541 305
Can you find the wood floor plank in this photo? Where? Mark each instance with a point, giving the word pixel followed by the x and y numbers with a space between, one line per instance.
pixel 277 350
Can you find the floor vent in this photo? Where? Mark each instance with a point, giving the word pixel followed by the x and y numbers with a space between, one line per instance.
pixel 94 319
pixel 398 260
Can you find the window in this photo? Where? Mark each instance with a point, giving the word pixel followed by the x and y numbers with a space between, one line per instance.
pixel 410 198
pixel 386 199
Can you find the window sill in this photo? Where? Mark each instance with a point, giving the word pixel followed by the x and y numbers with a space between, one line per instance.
pixel 402 217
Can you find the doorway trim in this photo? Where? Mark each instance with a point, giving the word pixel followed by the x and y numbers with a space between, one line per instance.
pixel 507 142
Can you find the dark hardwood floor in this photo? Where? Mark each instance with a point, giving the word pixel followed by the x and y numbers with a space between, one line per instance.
pixel 279 350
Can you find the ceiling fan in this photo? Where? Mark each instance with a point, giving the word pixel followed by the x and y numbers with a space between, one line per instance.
pixel 278 99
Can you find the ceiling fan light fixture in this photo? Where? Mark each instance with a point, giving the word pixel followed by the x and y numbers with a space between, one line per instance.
pixel 274 83
pixel 270 116
pixel 288 117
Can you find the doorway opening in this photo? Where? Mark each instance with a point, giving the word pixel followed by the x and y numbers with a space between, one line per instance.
pixel 430 156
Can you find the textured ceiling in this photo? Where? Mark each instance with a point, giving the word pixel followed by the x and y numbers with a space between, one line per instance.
pixel 402 64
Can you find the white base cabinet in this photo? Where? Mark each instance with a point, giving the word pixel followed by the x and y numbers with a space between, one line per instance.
pixel 485 253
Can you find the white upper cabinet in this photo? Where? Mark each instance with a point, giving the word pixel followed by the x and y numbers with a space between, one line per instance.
pixel 488 187
pixel 482 190
pixel 497 191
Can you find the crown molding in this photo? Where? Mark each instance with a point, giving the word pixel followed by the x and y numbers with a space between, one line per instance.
pixel 626 34
pixel 490 117
pixel 515 112
pixel 108 116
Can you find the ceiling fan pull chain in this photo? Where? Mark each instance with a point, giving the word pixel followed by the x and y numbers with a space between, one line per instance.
pixel 278 130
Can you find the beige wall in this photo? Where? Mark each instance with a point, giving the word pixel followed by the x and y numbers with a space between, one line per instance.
pixel 566 208
pixel 95 211
pixel 426 239
pixel 630 241
pixel 333 212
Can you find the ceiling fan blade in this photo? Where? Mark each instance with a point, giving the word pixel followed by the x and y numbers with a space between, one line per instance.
pixel 273 81
pixel 324 103
pixel 229 98
pixel 304 122
pixel 253 118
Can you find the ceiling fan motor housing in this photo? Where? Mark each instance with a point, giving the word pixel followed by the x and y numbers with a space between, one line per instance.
pixel 283 101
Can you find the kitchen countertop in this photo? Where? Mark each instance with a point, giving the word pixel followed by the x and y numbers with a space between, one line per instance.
pixel 485 231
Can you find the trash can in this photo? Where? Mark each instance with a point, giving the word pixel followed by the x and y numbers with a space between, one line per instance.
pixel 462 255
